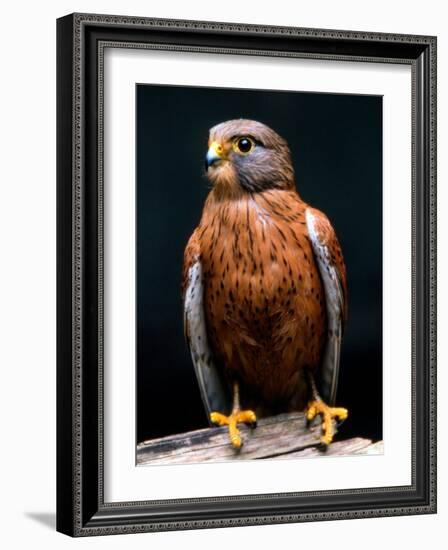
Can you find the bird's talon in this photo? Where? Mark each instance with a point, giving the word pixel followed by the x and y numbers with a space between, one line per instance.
pixel 218 418
pixel 311 413
pixel 322 447
pixel 329 416
pixel 236 440
pixel 236 417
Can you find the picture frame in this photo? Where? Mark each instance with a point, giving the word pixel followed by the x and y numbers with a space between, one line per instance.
pixel 81 506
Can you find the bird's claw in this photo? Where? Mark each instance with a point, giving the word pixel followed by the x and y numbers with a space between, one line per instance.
pixel 328 415
pixel 236 417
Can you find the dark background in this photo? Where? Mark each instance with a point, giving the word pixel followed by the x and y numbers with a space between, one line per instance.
pixel 336 145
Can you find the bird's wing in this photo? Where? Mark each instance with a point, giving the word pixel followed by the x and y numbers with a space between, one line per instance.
pixel 214 392
pixel 328 256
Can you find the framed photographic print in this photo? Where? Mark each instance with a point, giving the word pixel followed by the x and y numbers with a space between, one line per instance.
pixel 246 274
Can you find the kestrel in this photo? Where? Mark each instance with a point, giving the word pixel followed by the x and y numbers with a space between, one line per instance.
pixel 264 288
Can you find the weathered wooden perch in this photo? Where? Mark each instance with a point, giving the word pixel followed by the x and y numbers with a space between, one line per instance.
pixel 283 436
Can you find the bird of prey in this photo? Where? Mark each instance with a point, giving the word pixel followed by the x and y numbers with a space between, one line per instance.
pixel 264 288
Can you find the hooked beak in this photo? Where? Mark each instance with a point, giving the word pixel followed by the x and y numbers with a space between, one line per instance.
pixel 214 154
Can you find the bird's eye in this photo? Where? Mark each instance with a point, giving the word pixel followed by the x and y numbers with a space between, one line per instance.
pixel 243 145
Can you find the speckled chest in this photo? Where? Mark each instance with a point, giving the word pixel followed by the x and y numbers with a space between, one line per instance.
pixel 262 287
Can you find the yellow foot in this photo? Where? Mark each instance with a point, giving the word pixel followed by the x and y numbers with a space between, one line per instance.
pixel 327 414
pixel 237 417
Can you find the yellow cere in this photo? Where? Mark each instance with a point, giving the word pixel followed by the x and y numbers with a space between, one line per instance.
pixel 217 147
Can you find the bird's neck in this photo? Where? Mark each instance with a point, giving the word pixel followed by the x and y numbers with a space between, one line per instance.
pixel 222 192
pixel 274 201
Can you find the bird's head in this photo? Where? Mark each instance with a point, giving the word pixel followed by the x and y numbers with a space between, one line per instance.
pixel 246 156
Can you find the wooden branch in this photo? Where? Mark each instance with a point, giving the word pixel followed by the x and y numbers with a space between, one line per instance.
pixel 282 436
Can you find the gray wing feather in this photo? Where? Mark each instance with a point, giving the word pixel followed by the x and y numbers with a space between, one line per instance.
pixel 334 299
pixel 214 392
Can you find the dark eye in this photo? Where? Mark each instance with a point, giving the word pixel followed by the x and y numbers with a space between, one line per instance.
pixel 244 145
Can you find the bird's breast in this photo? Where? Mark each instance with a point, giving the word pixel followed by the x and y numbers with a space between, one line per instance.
pixel 258 253
pixel 263 294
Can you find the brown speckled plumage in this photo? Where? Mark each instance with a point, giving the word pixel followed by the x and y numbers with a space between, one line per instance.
pixel 264 300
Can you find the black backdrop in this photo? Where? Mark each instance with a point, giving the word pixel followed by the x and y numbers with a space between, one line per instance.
pixel 336 144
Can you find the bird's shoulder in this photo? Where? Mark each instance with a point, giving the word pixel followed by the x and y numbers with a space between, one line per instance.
pixel 192 254
pixel 322 233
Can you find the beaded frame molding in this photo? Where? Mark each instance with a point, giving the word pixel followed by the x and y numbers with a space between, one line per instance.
pixel 81 509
